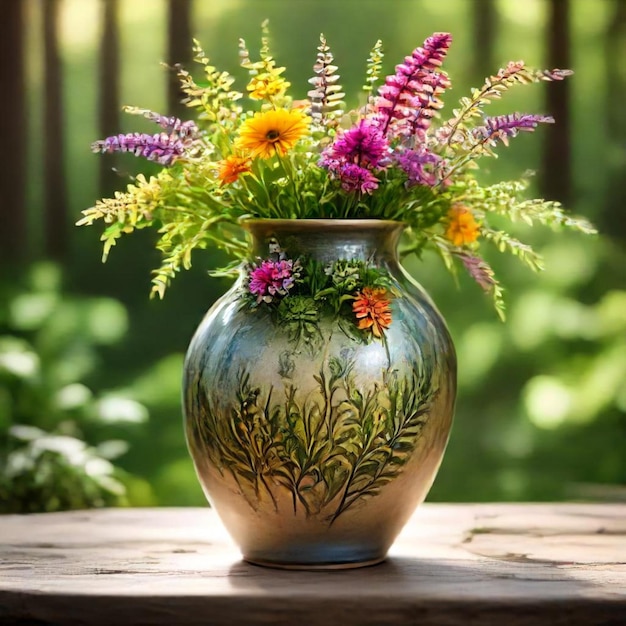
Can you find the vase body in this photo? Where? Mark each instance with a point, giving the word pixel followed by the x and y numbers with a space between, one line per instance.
pixel 313 446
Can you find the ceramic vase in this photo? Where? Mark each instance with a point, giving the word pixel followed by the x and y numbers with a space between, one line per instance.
pixel 315 439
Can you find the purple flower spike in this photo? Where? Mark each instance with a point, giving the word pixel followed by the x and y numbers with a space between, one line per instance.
pixel 421 166
pixel 184 130
pixel 502 127
pixel 363 145
pixel 479 271
pixel 271 279
pixel 162 148
pixel 557 74
pixel 416 86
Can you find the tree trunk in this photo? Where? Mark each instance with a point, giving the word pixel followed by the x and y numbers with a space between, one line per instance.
pixel 55 201
pixel 485 25
pixel 615 52
pixel 556 180
pixel 178 49
pixel 13 132
pixel 109 92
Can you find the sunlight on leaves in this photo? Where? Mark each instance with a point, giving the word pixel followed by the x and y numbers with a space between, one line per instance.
pixel 107 321
pixel 531 13
pixel 548 401
pixel 72 396
pixel 45 277
pixel 478 350
pixel 600 384
pixel 73 450
pixel 28 311
pixel 26 433
pixel 611 311
pixel 161 384
pixel 114 409
pixel 570 262
pixel 18 358
pixel 77 362
pixel 531 318
pixel 112 449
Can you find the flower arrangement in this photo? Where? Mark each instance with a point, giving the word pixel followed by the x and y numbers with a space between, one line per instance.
pixel 394 158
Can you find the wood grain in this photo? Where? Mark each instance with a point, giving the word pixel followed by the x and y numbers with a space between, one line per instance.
pixel 453 564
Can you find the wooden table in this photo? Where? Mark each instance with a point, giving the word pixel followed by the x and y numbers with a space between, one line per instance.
pixel 454 564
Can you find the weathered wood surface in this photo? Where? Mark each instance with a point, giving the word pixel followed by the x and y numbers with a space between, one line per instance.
pixel 453 564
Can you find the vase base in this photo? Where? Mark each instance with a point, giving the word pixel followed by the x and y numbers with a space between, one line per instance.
pixel 315 566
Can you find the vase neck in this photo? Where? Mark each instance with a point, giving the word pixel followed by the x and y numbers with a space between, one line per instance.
pixel 327 240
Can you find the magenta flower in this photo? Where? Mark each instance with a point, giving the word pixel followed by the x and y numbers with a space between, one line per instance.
pixel 355 178
pixel 272 279
pixel 421 166
pixel 363 144
pixel 501 127
pixel 351 155
pixel 161 147
pixel 414 90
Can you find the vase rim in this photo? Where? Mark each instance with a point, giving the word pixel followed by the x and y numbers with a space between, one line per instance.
pixel 330 223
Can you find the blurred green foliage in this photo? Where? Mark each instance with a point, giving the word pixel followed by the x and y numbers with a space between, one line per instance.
pixel 541 412
pixel 49 347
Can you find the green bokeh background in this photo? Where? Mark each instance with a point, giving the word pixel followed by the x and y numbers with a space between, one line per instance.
pixel 541 412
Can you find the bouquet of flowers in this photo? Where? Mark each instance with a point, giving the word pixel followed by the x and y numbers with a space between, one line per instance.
pixel 395 157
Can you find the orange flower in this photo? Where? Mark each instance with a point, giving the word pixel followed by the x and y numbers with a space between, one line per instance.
pixel 372 308
pixel 232 167
pixel 462 227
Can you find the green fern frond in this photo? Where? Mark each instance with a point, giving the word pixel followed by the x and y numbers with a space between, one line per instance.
pixel 265 42
pixel 177 242
pixel 374 67
pixel 214 99
pixel 550 213
pixel 127 211
pixel 503 198
pixel 498 301
pixel 444 249
pixel 179 239
pixel 231 270
pixel 266 62
pixel 506 243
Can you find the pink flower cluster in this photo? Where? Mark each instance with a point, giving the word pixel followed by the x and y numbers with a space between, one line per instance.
pixel 363 144
pixel 272 279
pixel 400 114
pixel 354 154
pixel 353 177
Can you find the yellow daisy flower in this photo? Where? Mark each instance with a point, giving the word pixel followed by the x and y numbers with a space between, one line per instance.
pixel 272 132
pixel 462 228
